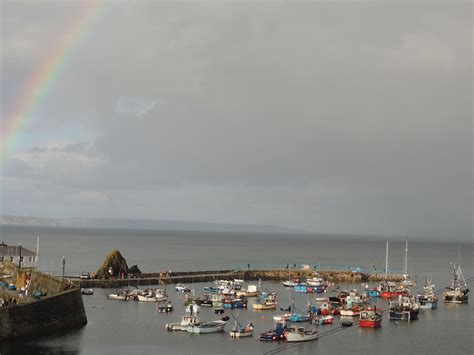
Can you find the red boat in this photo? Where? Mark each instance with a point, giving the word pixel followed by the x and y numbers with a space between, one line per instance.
pixel 370 318
pixel 392 294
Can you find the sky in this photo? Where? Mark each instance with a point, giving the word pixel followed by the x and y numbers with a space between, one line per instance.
pixel 331 117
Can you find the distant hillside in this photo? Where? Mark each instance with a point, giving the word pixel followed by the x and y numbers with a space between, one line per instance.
pixel 147 224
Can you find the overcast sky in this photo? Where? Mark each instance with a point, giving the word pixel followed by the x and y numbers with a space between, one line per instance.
pixel 339 117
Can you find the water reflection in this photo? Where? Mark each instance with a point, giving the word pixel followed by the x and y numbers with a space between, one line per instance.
pixel 59 343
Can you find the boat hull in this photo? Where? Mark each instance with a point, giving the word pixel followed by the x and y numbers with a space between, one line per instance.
pixel 370 323
pixel 403 315
pixel 294 337
pixel 205 328
pixel 455 299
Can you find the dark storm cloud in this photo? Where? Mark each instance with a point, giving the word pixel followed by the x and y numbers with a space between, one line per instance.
pixel 335 117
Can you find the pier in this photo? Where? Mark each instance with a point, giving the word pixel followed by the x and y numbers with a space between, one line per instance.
pixel 247 275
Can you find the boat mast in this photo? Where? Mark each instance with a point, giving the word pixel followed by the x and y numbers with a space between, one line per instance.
pixel 405 265
pixel 386 262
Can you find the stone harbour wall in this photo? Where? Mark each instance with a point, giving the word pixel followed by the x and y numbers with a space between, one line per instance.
pixel 53 313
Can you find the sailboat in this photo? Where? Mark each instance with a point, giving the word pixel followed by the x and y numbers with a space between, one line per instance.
pixel 407 282
pixel 388 289
pixel 458 291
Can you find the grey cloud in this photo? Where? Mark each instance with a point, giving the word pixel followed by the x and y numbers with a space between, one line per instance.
pixel 342 117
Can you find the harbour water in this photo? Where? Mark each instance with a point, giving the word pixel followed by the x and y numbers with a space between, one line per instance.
pixel 135 328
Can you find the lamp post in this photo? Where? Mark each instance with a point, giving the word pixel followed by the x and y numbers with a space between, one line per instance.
pixel 19 259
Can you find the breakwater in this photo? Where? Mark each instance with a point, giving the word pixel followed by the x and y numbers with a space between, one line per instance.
pixel 57 305
pixel 247 275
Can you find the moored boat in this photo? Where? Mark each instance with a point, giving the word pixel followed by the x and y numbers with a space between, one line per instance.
pixel 458 291
pixel 300 334
pixel 241 332
pixel 207 327
pixel 276 334
pixel 406 308
pixel 87 291
pixel 370 318
pixel 183 325
pixel 428 299
pixel 164 307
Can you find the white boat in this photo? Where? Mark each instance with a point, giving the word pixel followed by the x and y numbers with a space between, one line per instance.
pixel 207 327
pixel 237 332
pixel 289 283
pixel 428 299
pixel 146 298
pixel 117 296
pixel 458 291
pixel 281 317
pixel 299 334
pixel 87 291
pixel 251 291
pixel 181 288
pixel 183 325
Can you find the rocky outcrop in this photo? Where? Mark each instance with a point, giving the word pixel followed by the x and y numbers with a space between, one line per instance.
pixel 113 266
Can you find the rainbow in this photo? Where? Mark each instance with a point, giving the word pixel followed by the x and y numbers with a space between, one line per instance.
pixel 44 76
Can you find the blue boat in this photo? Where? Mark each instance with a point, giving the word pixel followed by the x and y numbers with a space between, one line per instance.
pixel 373 293
pixel 274 335
pixel 298 317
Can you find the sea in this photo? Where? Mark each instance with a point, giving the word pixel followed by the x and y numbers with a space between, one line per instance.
pixel 116 327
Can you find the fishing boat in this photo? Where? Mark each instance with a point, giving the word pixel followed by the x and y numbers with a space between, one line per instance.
pixel 207 327
pixel 182 288
pixel 458 291
pixel 183 325
pixel 204 301
pixel 428 299
pixel 406 308
pixel 211 289
pixel 373 293
pixel 370 318
pixel 266 301
pixel 327 309
pixel 299 317
pixel 289 283
pixel 299 334
pixel 265 305
pixel 351 310
pixel 235 303
pixel 324 320
pixel 282 317
pixel 164 307
pixel 251 291
pixel 276 334
pixel 241 332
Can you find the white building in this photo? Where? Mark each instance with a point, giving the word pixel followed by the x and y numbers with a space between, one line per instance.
pixel 13 254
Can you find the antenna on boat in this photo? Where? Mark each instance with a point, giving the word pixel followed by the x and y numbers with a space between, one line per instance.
pixel 386 262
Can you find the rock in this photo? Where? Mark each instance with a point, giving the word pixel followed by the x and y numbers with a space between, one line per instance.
pixel 134 270
pixel 113 266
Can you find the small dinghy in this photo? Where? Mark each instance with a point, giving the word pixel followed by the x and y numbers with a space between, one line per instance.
pixel 87 291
